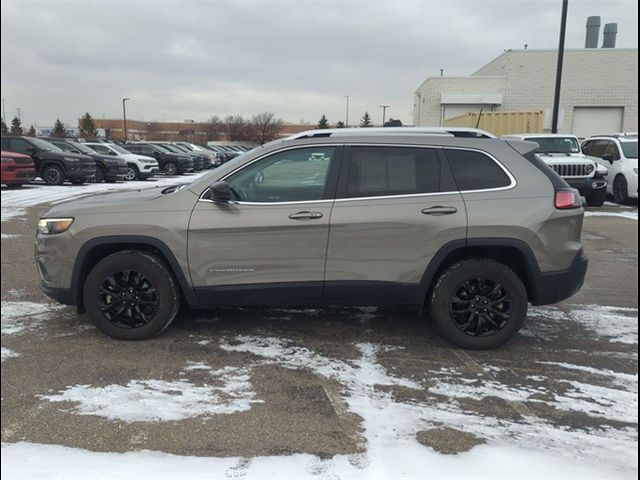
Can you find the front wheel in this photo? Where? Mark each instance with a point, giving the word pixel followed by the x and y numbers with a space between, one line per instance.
pixel 131 173
pixel 479 304
pixel 597 198
pixel 99 176
pixel 131 295
pixel 52 175
pixel 621 190
pixel 171 168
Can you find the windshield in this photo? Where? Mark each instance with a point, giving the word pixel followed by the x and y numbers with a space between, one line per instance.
pixel 180 148
pixel 160 147
pixel 44 145
pixel 171 148
pixel 556 144
pixel 630 149
pixel 117 148
pixel 84 148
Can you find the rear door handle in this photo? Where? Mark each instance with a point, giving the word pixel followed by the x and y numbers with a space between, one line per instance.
pixel 305 216
pixel 438 211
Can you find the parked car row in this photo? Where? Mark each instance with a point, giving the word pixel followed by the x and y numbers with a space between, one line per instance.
pixel 601 165
pixel 57 160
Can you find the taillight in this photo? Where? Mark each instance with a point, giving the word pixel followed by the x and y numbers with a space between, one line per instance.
pixel 568 199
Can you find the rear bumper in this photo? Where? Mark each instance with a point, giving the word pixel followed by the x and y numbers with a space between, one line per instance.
pixel 553 287
pixel 586 186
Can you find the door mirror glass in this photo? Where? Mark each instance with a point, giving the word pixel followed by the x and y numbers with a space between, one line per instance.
pixel 607 157
pixel 221 192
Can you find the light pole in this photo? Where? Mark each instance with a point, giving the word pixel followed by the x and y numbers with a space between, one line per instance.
pixel 419 95
pixel 346 116
pixel 384 112
pixel 556 98
pixel 124 117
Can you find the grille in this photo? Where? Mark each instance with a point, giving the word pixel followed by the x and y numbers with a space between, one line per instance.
pixel 571 170
pixel 23 161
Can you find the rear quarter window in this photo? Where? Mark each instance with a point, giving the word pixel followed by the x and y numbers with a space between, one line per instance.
pixel 476 171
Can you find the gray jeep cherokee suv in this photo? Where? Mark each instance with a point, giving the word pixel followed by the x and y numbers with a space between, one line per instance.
pixel 470 229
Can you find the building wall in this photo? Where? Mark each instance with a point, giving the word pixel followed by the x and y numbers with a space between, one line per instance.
pixel 591 78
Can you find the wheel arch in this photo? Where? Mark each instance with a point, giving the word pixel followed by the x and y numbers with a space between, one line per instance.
pixel 99 248
pixel 513 253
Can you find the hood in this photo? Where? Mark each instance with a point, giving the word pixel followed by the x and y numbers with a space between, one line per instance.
pixel 580 157
pixel 132 201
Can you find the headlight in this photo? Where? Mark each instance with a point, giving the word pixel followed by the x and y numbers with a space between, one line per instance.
pixel 590 169
pixel 71 159
pixel 50 226
pixel 144 160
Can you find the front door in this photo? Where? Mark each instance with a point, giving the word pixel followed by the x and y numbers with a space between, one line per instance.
pixel 269 244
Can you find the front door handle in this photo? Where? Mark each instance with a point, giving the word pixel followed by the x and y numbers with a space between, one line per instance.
pixel 305 216
pixel 438 211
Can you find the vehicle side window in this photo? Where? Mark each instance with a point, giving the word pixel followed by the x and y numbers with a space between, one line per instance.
pixel 296 175
pixel 382 171
pixel 6 144
pixel 133 148
pixel 19 146
pixel 597 148
pixel 64 146
pixel 147 150
pixel 613 150
pixel 476 171
pixel 101 149
pixel 586 147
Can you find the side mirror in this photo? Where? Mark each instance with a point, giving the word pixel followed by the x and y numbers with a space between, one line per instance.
pixel 608 158
pixel 32 150
pixel 221 192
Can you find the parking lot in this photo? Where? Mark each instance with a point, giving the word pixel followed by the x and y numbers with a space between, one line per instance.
pixel 320 393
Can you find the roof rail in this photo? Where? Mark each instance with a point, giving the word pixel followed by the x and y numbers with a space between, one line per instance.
pixel 431 131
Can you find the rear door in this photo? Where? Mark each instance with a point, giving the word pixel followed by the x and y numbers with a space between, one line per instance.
pixel 397 206
pixel 269 244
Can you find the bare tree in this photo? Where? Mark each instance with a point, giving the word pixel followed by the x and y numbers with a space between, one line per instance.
pixel 235 127
pixel 264 127
pixel 211 129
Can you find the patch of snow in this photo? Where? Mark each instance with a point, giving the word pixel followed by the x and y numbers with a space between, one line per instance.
pixel 49 462
pixel 160 400
pixel 602 402
pixel 624 380
pixel 8 353
pixel 6 236
pixel 618 324
pixel 18 316
pixel 628 215
pixel 366 314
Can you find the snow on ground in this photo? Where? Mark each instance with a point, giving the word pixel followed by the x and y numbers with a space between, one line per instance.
pixel 6 236
pixel 47 462
pixel 160 401
pixel 618 324
pixel 18 317
pixel 631 215
pixel 14 202
pixel 8 353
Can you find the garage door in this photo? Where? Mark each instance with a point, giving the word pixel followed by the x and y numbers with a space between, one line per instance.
pixel 589 121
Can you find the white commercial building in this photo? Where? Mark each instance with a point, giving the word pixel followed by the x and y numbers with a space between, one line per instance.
pixel 599 90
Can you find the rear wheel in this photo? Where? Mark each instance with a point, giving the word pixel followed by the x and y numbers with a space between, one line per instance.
pixel 621 190
pixel 52 175
pixel 597 198
pixel 131 295
pixel 479 304
pixel 171 168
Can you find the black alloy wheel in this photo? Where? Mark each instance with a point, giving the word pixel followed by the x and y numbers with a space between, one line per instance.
pixel 53 175
pixel 620 190
pixel 128 299
pixel 480 307
pixel 171 169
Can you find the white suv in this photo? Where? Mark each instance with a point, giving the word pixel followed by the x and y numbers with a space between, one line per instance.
pixel 619 154
pixel 139 167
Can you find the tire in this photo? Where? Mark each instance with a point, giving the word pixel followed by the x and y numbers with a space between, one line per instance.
pixel 597 198
pixel 170 168
pixel 621 190
pixel 52 175
pixel 133 276
pixel 496 324
pixel 132 173
pixel 99 176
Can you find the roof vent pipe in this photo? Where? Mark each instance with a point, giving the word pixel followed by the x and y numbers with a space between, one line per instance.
pixel 593 32
pixel 610 33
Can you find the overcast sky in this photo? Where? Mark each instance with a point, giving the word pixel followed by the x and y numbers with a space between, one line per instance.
pixel 191 59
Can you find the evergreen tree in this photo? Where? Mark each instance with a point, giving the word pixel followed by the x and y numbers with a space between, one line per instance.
pixel 16 126
pixel 87 126
pixel 31 132
pixel 366 121
pixel 4 127
pixel 58 129
pixel 340 124
pixel 323 123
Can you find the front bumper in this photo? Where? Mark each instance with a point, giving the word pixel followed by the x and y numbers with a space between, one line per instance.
pixel 65 296
pixel 553 287
pixel 18 176
pixel 586 186
pixel 81 172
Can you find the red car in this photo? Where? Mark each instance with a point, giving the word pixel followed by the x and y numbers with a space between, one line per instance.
pixel 17 169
